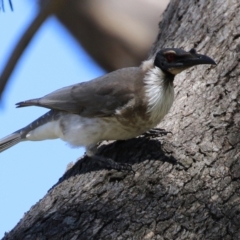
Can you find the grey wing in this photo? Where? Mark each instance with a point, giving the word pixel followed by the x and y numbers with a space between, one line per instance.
pixel 99 97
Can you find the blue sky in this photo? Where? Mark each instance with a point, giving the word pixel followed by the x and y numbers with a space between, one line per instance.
pixel 52 60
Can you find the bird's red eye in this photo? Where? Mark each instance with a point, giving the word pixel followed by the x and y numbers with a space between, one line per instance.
pixel 171 57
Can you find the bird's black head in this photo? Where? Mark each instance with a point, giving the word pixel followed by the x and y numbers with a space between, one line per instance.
pixel 175 60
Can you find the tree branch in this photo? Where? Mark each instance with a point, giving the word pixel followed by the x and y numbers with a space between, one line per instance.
pixel 50 8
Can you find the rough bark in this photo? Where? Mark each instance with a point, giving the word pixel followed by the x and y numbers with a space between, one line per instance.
pixel 186 185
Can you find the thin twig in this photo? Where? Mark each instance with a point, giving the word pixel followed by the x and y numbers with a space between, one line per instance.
pixel 10 3
pixel 3 8
pixel 51 7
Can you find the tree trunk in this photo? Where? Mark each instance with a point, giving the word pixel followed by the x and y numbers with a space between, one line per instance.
pixel 187 184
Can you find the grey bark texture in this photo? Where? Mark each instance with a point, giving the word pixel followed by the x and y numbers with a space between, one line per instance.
pixel 187 184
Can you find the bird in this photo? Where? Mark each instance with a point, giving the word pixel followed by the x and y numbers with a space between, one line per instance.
pixel 120 105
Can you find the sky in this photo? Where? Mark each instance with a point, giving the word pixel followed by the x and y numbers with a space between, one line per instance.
pixel 52 60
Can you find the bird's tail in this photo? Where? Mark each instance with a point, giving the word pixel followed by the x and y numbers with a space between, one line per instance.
pixel 10 141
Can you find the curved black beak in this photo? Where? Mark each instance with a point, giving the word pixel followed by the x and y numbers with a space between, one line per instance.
pixel 192 58
pixel 175 60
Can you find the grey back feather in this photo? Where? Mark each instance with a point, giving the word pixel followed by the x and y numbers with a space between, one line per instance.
pixel 99 97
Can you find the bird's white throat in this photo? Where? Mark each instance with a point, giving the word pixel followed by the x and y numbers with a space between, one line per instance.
pixel 159 92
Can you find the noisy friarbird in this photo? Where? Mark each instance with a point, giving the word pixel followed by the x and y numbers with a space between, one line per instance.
pixel 117 106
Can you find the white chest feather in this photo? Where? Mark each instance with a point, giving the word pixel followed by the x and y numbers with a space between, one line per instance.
pixel 160 94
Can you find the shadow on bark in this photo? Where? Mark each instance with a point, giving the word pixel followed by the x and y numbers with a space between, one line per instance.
pixel 131 151
pixel 88 203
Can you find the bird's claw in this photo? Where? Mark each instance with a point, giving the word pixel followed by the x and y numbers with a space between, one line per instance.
pixel 156 132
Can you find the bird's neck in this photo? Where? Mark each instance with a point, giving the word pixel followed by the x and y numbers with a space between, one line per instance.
pixel 159 93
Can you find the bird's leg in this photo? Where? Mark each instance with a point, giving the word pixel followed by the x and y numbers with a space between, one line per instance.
pixel 156 132
pixel 107 162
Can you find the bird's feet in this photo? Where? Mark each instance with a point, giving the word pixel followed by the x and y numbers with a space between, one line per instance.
pixel 156 132
pixel 110 164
